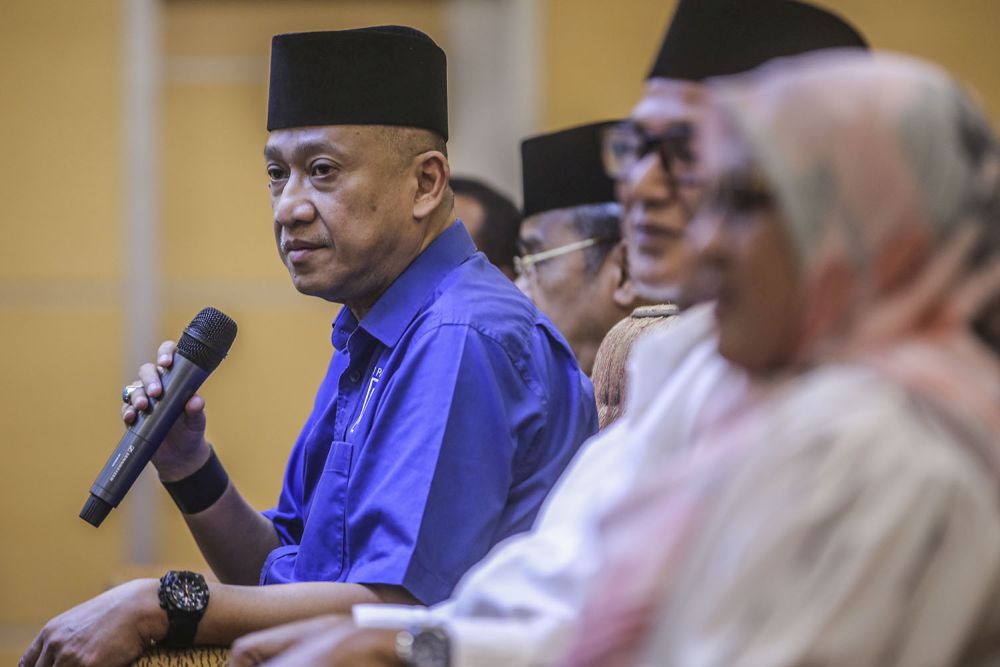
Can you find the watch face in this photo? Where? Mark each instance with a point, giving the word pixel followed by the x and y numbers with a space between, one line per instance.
pixel 431 648
pixel 188 592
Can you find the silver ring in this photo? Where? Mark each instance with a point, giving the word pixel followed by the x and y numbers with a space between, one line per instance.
pixel 130 389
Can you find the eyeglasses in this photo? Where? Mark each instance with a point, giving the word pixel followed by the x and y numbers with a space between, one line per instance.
pixel 525 264
pixel 625 144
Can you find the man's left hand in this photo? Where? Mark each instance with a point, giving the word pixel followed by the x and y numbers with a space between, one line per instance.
pixel 111 629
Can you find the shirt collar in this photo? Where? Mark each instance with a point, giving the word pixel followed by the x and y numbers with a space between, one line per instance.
pixel 396 308
pixel 343 326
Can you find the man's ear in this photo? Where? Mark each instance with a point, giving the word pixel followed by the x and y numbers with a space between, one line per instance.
pixel 624 293
pixel 433 173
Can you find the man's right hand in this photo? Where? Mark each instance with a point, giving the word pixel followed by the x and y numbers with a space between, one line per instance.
pixel 184 450
pixel 257 647
pixel 324 641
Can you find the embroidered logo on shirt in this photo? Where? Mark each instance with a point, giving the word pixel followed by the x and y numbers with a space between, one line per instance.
pixel 374 380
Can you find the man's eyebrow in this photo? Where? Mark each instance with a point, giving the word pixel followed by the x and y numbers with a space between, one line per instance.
pixel 272 152
pixel 657 127
pixel 529 242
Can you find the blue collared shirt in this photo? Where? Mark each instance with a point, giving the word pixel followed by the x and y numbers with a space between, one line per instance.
pixel 445 417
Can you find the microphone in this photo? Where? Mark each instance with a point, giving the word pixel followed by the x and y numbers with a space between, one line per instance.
pixel 202 347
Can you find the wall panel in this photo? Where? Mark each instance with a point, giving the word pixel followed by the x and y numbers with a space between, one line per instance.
pixel 60 318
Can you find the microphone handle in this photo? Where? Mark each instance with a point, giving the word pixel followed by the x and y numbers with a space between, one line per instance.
pixel 144 437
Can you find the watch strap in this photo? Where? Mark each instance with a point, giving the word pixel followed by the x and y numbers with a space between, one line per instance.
pixel 180 631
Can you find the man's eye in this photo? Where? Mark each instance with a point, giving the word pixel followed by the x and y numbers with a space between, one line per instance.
pixel 749 200
pixel 321 169
pixel 275 174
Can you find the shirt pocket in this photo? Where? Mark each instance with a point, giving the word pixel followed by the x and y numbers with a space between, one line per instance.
pixel 321 554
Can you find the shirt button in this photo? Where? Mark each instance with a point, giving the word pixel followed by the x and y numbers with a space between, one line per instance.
pixel 355 376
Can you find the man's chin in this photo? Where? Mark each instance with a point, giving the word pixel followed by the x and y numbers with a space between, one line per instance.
pixel 310 288
pixel 682 293
pixel 657 291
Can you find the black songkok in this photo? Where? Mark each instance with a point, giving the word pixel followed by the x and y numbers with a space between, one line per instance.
pixel 564 169
pixel 385 75
pixel 717 37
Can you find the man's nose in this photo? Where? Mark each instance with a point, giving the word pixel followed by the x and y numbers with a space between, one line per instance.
pixel 646 180
pixel 293 205
pixel 706 232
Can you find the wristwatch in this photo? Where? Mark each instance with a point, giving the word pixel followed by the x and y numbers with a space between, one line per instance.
pixel 184 596
pixel 424 646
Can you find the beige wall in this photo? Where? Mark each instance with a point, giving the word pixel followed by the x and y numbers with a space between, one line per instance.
pixel 59 301
pixel 61 310
pixel 959 34
pixel 596 54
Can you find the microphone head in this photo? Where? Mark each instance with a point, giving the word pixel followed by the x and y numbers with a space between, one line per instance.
pixel 95 510
pixel 207 339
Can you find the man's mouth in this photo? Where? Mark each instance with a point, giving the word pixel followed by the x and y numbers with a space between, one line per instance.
pixel 298 250
pixel 647 234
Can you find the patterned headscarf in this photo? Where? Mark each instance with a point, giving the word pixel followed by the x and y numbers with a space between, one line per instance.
pixel 888 179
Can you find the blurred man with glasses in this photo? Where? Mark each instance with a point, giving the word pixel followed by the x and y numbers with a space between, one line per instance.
pixel 652 158
pixel 572 263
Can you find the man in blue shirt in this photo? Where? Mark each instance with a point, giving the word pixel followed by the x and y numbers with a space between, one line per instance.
pixel 450 406
pixel 447 412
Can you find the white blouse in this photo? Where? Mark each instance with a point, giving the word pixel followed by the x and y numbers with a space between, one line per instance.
pixel 519 606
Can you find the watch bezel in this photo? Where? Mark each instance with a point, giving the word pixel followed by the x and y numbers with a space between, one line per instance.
pixel 184 591
pixel 424 646
pixel 184 596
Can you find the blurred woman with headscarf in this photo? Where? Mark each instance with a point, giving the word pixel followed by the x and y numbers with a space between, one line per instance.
pixel 847 514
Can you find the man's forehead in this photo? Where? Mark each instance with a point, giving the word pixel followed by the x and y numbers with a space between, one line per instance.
pixel 548 223
pixel 723 147
pixel 666 101
pixel 331 137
